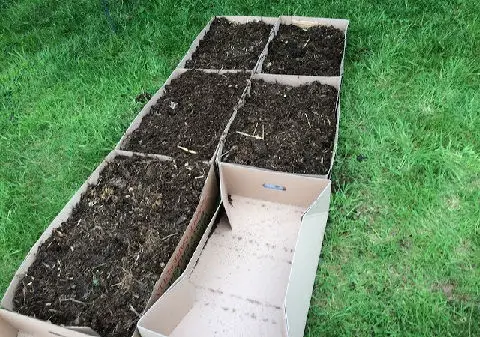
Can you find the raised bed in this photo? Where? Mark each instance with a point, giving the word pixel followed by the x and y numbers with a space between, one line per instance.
pixel 307 46
pixel 230 42
pixel 287 123
pixel 128 231
pixel 186 118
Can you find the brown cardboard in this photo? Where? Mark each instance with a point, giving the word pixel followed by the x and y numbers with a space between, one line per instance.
pixel 146 109
pixel 237 19
pixel 173 268
pixel 15 325
pixel 307 22
pixel 293 80
pixel 254 275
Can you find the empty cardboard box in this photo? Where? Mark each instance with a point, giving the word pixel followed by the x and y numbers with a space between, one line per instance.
pixel 253 271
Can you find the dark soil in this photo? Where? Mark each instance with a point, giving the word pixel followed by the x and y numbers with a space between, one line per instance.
pixel 229 45
pixel 191 115
pixel 99 267
pixel 298 126
pixel 315 51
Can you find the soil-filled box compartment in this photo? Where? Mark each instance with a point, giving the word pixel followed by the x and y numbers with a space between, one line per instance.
pixel 307 46
pixel 287 123
pixel 230 42
pixel 188 115
pixel 255 273
pixel 118 244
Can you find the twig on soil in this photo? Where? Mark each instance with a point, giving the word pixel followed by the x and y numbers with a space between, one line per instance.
pixel 186 150
pixel 73 300
pixel 234 148
pixel 247 135
pixel 132 309
pixel 167 237
pixel 305 44
pixel 253 136
pixel 306 116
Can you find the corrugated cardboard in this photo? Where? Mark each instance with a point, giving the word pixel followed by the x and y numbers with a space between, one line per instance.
pixel 14 325
pixel 292 80
pixel 237 19
pixel 146 109
pixel 307 22
pixel 254 276
pixel 173 269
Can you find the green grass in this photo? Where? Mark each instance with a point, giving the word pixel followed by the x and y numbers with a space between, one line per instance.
pixel 402 250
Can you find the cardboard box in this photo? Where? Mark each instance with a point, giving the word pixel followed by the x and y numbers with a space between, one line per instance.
pixel 253 273
pixel 307 22
pixel 243 261
pixel 173 269
pixel 292 80
pixel 146 109
pixel 237 19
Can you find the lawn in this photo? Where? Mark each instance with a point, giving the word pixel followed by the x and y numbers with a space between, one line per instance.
pixel 401 255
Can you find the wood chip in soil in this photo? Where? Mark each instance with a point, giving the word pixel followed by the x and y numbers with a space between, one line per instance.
pixel 188 120
pixel 99 267
pixel 316 51
pixel 229 45
pixel 285 128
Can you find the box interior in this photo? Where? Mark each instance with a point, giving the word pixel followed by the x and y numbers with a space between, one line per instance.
pixel 239 284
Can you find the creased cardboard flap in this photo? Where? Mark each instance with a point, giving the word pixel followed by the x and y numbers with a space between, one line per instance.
pixel 268 185
pixel 28 326
pixel 175 304
pixel 298 80
pixel 7 329
pixel 307 22
pixel 304 265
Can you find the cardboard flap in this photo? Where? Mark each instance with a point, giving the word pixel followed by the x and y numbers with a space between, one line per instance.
pixel 162 318
pixel 307 22
pixel 203 241
pixel 29 326
pixel 305 262
pixel 261 184
pixel 321 204
pixel 6 329
pixel 246 19
pixel 85 330
pixel 298 80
